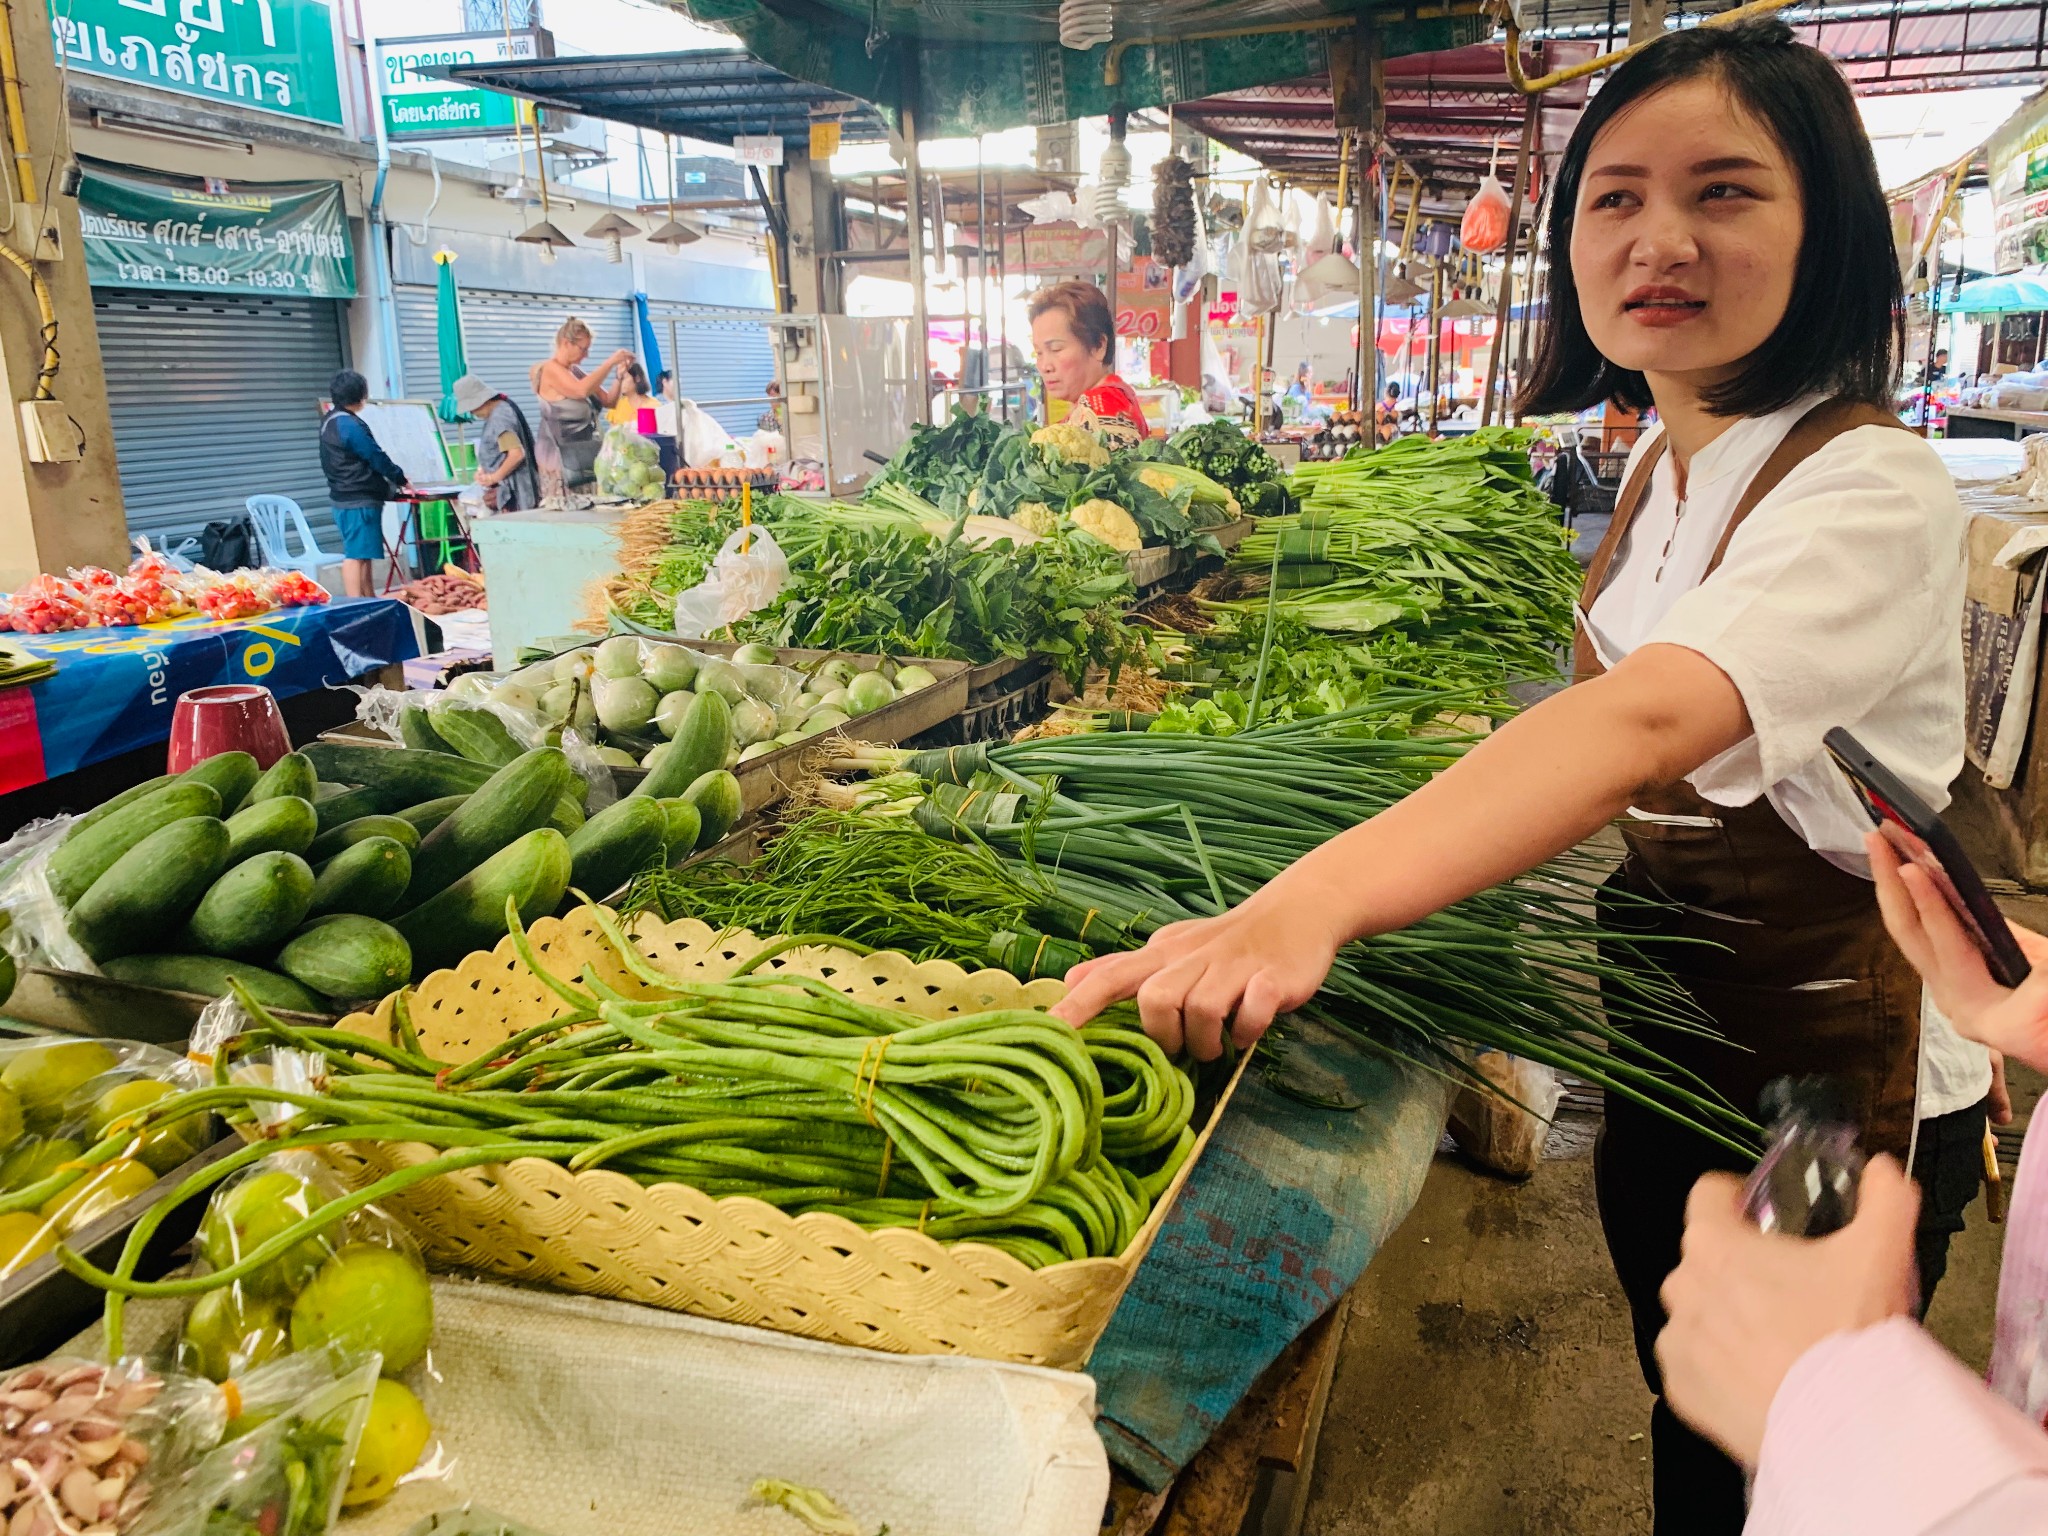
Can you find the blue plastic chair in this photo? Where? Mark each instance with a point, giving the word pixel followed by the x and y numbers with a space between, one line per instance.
pixel 278 520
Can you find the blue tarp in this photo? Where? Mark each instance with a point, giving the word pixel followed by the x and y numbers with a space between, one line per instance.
pixel 1277 1221
pixel 114 689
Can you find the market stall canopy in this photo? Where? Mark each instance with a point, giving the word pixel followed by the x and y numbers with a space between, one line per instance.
pixel 980 66
pixel 710 94
pixel 2017 293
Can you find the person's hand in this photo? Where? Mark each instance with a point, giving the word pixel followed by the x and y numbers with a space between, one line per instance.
pixel 1999 1105
pixel 1241 969
pixel 2011 1020
pixel 1746 1304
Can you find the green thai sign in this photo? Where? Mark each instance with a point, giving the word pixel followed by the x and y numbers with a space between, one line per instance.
pixel 254 237
pixel 273 55
pixel 423 106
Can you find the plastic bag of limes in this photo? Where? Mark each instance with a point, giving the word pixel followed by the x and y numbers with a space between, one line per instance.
pixel 59 1097
pixel 630 465
pixel 350 1287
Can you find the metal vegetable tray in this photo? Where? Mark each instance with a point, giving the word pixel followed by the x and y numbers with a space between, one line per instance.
pixel 42 1305
pixel 768 779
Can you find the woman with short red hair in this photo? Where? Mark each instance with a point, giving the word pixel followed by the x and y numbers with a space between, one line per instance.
pixel 1072 332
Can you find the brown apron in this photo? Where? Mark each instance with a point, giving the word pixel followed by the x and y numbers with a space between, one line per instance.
pixel 1805 979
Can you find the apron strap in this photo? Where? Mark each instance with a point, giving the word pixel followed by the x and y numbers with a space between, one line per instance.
pixel 1585 665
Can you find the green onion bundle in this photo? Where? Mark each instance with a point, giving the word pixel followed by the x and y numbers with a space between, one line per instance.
pixel 1105 838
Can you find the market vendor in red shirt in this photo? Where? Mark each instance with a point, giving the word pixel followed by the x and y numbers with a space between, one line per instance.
pixel 1072 332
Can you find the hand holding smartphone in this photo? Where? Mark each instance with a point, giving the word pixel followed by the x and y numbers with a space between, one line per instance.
pixel 1920 838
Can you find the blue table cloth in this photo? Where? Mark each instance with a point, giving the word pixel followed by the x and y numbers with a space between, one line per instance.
pixel 114 689
pixel 1278 1220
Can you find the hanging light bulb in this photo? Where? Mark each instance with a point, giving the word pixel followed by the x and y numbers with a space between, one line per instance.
pixel 611 229
pixel 1113 175
pixel 1086 24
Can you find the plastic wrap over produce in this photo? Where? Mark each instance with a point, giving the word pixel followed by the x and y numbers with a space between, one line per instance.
pixel 745 577
pixel 38 932
pixel 497 731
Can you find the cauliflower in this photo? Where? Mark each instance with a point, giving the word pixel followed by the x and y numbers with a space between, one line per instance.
pixel 1075 444
pixel 974 498
pixel 1108 522
pixel 1159 480
pixel 1036 517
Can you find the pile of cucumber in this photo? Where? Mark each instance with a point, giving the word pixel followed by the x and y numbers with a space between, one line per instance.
pixel 345 871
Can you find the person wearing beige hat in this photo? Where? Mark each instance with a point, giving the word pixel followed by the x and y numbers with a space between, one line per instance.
pixel 505 457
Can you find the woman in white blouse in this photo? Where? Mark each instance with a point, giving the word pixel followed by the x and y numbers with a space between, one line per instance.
pixel 1784 558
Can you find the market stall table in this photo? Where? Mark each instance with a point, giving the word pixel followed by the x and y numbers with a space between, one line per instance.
pixel 1984 421
pixel 114 689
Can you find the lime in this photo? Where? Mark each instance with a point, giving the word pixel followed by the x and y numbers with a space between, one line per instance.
pixel 162 1149
pixel 106 1187
pixel 394 1433
pixel 366 1298
pixel 43 1076
pixel 23 1236
pixel 242 1220
pixel 10 1118
pixel 229 1332
pixel 33 1159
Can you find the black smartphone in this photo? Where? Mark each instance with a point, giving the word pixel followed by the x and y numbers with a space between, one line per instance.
pixel 1919 837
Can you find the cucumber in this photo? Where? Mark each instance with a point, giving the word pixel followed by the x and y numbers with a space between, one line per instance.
pixel 698 746
pixel 533 873
pixel 106 808
pixel 291 775
pixel 209 975
pixel 251 908
pixel 83 858
pixel 150 890
pixel 366 878
pixel 476 733
pixel 717 798
pixel 416 730
pixel 615 845
pixel 685 823
pixel 348 957
pixel 350 804
pixel 232 775
pixel 410 774
pixel 332 841
pixel 326 791
pixel 567 814
pixel 519 797
pixel 429 814
pixel 287 824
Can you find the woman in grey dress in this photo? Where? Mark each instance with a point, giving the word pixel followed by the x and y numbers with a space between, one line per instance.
pixel 572 403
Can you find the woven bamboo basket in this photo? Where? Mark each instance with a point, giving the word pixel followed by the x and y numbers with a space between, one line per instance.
pixel 737 1259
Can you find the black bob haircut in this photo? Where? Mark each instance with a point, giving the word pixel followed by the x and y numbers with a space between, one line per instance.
pixel 1843 330
pixel 348 388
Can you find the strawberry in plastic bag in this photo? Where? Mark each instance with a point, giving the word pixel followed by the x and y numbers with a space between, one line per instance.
pixel 1485 225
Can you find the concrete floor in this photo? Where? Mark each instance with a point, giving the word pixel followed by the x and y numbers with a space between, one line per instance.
pixel 1487 1385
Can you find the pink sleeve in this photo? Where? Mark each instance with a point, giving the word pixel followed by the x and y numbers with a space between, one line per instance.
pixel 1883 1433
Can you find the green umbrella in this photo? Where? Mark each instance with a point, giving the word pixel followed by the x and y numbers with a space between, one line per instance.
pixel 448 332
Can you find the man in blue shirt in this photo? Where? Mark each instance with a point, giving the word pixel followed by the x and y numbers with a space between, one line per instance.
pixel 361 477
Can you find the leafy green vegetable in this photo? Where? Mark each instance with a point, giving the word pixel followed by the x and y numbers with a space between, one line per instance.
pixel 1220 450
pixel 944 461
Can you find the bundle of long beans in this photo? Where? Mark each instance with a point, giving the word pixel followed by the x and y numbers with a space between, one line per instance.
pixel 1109 837
pixel 1005 1127
pixel 1448 540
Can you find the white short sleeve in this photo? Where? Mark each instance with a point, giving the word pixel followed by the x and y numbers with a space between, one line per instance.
pixel 1838 604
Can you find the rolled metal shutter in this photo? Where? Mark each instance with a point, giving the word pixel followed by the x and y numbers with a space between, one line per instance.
pixel 503 336
pixel 719 360
pixel 216 398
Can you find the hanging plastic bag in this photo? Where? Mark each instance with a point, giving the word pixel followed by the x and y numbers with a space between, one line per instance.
pixel 747 576
pixel 1264 222
pixel 705 444
pixel 1321 238
pixel 1485 224
pixel 629 465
